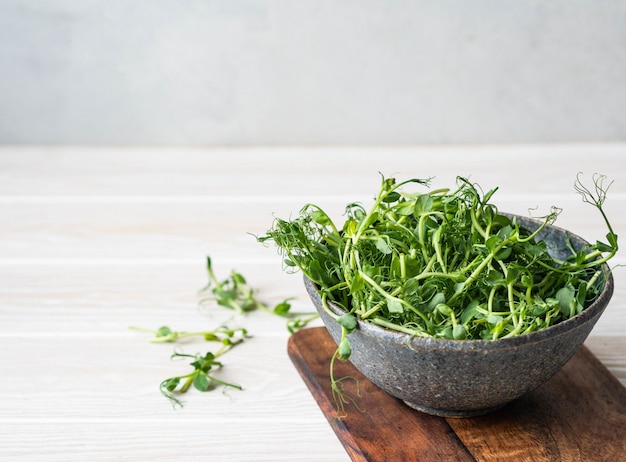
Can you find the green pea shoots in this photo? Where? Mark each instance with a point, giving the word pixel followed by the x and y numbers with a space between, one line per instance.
pixel 236 294
pixel 233 293
pixel 200 377
pixel 442 263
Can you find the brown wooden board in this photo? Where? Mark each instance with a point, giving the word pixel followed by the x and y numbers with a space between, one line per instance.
pixel 579 415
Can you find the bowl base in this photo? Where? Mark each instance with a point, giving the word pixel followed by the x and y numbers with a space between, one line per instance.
pixel 452 413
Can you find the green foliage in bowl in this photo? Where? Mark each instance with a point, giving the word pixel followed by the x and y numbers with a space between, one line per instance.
pixel 443 263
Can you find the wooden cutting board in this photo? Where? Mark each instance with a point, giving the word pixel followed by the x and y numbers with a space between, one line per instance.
pixel 579 415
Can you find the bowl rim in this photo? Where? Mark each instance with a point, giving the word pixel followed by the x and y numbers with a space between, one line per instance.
pixel 591 312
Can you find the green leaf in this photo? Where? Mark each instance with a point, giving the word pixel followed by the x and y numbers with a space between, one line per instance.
pixel 320 218
pixel 497 329
pixel 423 204
pixel 371 271
pixel 201 381
pixel 447 332
pixel 470 311
pixel 581 256
pixel 602 247
pixel 512 275
pixel 411 287
pixel 357 284
pixel 350 227
pixel 503 253
pixel 163 331
pixel 489 213
pixel 395 269
pixel 345 350
pixel 501 220
pixel 536 249
pixel 391 197
pixel 438 298
pixel 394 306
pixel 526 280
pixel 505 232
pixel 383 246
pixel 495 278
pixel 459 332
pixel 581 296
pixel 566 298
pixel 223 295
pixel 238 278
pixel 539 308
pixel 492 242
pixel 170 384
pixel 444 309
pixel 405 208
pixel 282 308
pixel 347 321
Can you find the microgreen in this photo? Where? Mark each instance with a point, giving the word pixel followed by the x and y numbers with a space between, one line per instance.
pixel 340 396
pixel 202 364
pixel 199 377
pixel 442 263
pixel 222 334
pixel 235 293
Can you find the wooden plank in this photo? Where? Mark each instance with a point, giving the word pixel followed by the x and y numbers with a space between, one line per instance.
pixel 77 170
pixel 108 297
pixel 210 437
pixel 385 430
pixel 610 349
pixel 89 378
pixel 580 414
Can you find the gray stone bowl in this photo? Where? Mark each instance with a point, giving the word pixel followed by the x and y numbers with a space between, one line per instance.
pixel 463 378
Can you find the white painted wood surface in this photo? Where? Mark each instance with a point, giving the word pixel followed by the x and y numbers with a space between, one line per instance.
pixel 94 240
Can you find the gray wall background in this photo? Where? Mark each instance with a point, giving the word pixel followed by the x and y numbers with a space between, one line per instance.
pixel 240 72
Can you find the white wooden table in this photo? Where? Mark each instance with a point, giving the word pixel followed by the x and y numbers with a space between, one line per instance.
pixel 94 240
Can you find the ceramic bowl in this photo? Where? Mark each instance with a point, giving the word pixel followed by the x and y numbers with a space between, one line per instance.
pixel 462 378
